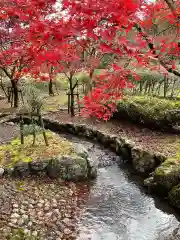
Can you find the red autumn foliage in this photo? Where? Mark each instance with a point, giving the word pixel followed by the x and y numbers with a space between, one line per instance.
pixel 44 34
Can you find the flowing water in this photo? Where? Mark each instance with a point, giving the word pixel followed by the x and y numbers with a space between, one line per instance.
pixel 117 207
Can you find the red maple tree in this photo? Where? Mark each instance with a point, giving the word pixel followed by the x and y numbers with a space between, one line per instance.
pixel 123 28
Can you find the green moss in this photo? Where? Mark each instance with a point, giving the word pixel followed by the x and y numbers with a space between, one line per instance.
pixel 174 196
pixel 159 171
pixel 18 234
pixel 167 174
pixel 14 152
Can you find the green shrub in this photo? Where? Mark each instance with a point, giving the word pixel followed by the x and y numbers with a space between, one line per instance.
pixel 150 109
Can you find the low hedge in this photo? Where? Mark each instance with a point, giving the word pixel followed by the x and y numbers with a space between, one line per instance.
pixel 150 111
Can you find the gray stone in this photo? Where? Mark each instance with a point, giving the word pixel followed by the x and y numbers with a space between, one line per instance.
pixel 27 231
pixel 55 169
pixel 80 150
pixel 10 123
pixel 25 217
pixel 91 163
pixel 60 226
pixel 49 214
pixel 20 222
pixel 39 165
pixel 67 222
pixel 57 212
pixel 93 172
pixel 67 231
pixel 167 176
pixel 15 205
pixel 1 171
pixel 40 214
pixel 149 182
pixel 15 215
pixel 30 224
pixel 143 162
pixel 22 170
pixel 15 210
pixel 22 211
pixel 68 168
pixel 40 205
pixel 9 171
pixel 34 233
pixel 41 201
pixel 77 172
pixel 14 220
pixel 46 208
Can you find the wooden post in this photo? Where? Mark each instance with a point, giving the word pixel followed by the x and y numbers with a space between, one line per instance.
pixel 22 99
pixel 34 130
pixel 79 109
pixel 42 126
pixel 69 102
pixel 22 129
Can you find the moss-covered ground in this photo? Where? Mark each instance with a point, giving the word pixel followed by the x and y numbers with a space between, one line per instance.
pixel 15 152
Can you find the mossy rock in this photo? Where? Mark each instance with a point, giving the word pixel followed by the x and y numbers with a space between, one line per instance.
pixel 68 168
pixel 143 162
pixel 167 175
pixel 174 196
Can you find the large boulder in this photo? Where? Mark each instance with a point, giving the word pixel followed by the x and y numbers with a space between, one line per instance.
pixel 164 178
pixel 38 166
pixel 68 168
pixel 91 163
pixel 143 162
pixel 167 175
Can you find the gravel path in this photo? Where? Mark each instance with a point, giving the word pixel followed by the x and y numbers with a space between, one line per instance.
pixel 44 209
pixel 7 132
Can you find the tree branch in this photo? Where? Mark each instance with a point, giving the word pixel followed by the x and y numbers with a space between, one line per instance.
pixel 6 72
pixel 152 48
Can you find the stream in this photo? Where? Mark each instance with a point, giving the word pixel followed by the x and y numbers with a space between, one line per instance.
pixel 117 207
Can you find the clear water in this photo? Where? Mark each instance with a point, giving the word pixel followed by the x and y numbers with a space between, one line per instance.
pixel 117 207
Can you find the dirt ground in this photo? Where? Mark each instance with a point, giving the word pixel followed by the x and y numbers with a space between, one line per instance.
pixel 166 143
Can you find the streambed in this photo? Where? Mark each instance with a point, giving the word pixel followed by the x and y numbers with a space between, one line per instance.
pixel 117 207
pixel 112 207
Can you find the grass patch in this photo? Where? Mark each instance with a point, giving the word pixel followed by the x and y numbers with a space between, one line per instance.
pixel 14 152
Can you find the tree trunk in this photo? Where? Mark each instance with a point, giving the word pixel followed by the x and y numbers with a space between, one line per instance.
pixel 165 87
pixel 90 83
pixel 71 97
pixel 51 87
pixel 141 86
pixel 15 93
pixel 72 105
